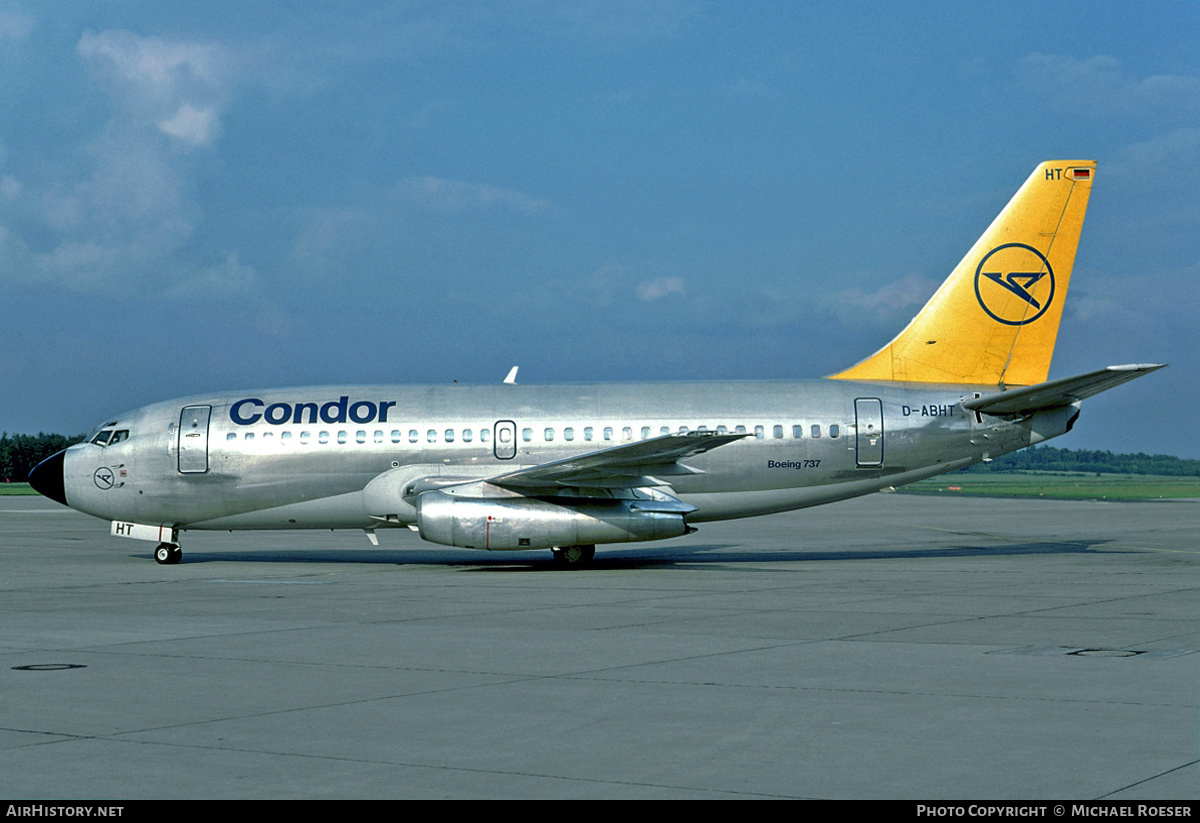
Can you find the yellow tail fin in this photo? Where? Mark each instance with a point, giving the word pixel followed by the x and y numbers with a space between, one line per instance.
pixel 995 319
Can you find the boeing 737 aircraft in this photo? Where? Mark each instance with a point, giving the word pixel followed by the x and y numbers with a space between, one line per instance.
pixel 514 467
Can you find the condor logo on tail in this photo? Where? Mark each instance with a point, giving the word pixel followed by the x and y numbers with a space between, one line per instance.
pixel 1014 284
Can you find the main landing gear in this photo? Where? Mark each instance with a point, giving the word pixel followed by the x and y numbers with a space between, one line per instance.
pixel 167 554
pixel 573 557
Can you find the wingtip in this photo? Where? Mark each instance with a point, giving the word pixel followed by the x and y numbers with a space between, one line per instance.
pixel 1142 367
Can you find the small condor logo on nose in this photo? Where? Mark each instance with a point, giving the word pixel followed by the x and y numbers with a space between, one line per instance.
pixel 1014 284
pixel 103 478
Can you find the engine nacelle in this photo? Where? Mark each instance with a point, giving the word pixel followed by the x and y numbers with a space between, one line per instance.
pixel 514 523
pixel 1053 422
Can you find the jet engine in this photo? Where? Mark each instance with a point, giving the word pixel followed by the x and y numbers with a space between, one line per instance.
pixel 514 523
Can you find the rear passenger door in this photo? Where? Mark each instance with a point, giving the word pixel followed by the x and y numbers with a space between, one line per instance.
pixel 868 432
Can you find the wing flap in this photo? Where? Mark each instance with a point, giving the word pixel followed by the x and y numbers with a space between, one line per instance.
pixel 628 466
pixel 1061 392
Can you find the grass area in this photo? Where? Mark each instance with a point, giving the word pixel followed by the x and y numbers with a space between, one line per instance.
pixel 1060 485
pixel 16 488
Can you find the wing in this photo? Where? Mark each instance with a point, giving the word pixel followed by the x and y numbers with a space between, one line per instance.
pixel 629 466
pixel 1060 392
pixel 608 496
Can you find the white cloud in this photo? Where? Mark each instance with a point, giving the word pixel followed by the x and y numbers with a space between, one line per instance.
pixel 660 287
pixel 909 291
pixel 453 195
pixel 893 302
pixel 1164 157
pixel 175 86
pixel 1101 86
pixel 231 278
pixel 15 25
pixel 618 21
pixel 122 213
pixel 196 127
pixel 328 239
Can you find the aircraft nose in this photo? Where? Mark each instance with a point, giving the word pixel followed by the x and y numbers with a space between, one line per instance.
pixel 47 478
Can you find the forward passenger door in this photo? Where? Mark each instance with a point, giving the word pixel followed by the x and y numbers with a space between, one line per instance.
pixel 193 439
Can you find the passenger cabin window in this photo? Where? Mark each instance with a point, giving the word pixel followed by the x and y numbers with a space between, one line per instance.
pixel 835 430
pixel 816 431
pixel 778 432
pixel 797 432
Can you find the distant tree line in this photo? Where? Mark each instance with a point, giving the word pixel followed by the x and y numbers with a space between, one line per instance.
pixel 21 452
pixel 1050 459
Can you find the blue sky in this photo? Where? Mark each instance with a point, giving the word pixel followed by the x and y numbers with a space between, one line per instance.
pixel 221 195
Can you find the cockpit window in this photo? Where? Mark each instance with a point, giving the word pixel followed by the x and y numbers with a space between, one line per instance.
pixel 109 437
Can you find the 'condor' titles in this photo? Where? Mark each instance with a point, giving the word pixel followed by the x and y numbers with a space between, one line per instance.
pixel 251 410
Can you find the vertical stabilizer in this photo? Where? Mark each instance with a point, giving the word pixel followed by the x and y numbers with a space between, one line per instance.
pixel 995 319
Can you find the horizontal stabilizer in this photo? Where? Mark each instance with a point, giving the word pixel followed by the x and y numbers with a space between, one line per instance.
pixel 1060 392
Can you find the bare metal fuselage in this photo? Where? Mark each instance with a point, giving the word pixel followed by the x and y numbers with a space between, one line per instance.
pixel 339 457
